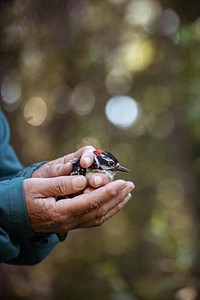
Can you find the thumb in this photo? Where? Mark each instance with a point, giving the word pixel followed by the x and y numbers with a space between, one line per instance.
pixel 58 186
pixel 52 169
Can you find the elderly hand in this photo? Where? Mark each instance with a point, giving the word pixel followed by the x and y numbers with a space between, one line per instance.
pixel 86 210
pixel 62 166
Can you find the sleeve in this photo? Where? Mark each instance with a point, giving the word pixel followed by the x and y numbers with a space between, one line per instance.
pixel 19 244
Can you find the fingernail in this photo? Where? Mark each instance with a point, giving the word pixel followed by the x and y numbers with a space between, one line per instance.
pixel 130 185
pixel 87 160
pixel 98 180
pixel 78 182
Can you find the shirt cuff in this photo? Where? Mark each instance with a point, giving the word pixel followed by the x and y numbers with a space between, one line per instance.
pixel 15 221
pixel 27 172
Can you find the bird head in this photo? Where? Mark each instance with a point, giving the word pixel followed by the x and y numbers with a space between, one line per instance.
pixel 106 162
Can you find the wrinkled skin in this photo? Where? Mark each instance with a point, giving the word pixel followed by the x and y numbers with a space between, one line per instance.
pixel 99 200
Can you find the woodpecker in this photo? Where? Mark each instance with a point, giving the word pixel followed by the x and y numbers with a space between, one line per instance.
pixel 104 162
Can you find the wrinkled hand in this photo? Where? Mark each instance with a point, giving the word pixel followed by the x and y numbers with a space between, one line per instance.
pixel 62 166
pixel 86 210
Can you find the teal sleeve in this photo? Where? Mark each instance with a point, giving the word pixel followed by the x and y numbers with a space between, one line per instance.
pixel 19 244
pixel 28 171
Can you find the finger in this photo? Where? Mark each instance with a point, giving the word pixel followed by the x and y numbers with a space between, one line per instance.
pixel 86 202
pixel 87 157
pixel 99 220
pixel 61 169
pixel 86 152
pixel 116 209
pixel 58 186
pixel 94 200
pixel 49 170
pixel 107 210
pixel 88 190
pixel 98 179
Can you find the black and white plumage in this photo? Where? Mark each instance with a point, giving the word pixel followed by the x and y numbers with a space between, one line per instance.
pixel 104 162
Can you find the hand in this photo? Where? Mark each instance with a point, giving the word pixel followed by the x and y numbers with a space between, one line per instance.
pixel 62 166
pixel 86 210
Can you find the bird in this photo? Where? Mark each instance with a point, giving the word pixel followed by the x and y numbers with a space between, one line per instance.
pixel 104 162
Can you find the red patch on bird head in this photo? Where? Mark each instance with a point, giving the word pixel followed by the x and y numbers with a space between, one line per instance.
pixel 97 152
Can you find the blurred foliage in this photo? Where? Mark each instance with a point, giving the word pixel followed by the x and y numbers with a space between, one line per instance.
pixel 69 71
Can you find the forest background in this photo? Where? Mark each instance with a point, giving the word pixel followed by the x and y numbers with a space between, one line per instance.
pixel 124 76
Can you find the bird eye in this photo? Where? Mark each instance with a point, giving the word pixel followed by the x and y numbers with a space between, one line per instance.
pixel 111 163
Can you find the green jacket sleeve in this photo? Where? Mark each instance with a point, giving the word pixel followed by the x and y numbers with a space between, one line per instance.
pixel 18 242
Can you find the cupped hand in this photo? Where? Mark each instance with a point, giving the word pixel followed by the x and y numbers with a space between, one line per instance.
pixel 62 166
pixel 83 211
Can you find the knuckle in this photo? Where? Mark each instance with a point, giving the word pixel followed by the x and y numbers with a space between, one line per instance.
pixel 95 204
pixel 65 158
pixel 61 186
pixel 100 217
pixel 47 164
pixel 89 147
pixel 112 192
pixel 101 213
pixel 100 221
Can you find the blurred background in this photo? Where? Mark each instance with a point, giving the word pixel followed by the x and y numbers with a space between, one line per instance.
pixel 122 75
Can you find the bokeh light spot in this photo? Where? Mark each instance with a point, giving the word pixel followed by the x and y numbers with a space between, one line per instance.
pixel 61 99
pixel 11 91
pixel 133 55
pixel 166 25
pixel 122 111
pixel 142 12
pixel 186 293
pixel 169 22
pixel 119 81
pixel 83 99
pixel 138 56
pixel 32 61
pixel 35 111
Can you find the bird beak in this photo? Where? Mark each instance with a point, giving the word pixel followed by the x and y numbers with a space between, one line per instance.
pixel 123 169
